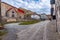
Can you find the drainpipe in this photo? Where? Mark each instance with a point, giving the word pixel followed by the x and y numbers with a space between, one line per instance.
pixel 0 11
pixel 56 10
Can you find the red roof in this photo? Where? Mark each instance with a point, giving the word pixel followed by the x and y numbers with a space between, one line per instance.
pixel 21 11
pixel 9 9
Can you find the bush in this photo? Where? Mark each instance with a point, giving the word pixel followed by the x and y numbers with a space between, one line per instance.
pixel 2 33
pixel 1 24
pixel 0 38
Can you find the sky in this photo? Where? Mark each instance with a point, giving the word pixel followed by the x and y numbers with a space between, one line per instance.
pixel 38 6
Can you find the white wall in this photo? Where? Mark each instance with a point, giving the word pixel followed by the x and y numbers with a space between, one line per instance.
pixel 35 16
pixel 10 13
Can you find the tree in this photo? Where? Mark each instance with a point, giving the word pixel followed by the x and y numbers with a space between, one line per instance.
pixel 1 23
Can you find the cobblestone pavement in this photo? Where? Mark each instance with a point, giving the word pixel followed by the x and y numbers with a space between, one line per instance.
pixel 50 31
pixel 13 28
pixel 35 32
pixel 26 32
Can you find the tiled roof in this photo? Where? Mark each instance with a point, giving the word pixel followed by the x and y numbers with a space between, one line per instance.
pixel 19 10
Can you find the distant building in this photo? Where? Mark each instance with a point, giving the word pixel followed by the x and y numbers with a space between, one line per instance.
pixel 49 17
pixel 44 16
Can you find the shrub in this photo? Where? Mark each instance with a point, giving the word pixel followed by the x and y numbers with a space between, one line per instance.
pixel 2 33
pixel 28 22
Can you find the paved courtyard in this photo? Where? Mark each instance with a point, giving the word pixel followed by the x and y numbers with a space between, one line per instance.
pixel 44 30
pixel 35 32
pixel 13 28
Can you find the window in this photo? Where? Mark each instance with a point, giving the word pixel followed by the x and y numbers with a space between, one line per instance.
pixel 52 1
pixel 52 10
pixel 12 11
pixel 12 15
pixel 6 15
pixel 59 7
pixel 20 17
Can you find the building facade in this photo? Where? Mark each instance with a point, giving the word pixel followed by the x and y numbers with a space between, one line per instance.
pixel 53 15
pixel 57 11
pixel 8 12
pixel 58 8
pixel 11 13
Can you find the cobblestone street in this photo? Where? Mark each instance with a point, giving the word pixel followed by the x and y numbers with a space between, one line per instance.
pixel 44 30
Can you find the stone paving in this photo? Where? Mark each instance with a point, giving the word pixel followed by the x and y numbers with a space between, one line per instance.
pixel 50 31
pixel 13 28
pixel 45 30
pixel 35 32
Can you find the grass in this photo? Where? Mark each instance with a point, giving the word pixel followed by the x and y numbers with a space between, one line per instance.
pixel 0 38
pixel 29 22
pixel 12 22
pixel 2 33
pixel 1 24
pixel 22 22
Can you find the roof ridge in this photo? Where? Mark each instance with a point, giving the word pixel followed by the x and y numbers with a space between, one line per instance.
pixel 9 4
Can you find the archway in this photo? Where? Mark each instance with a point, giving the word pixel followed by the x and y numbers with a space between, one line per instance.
pixel 36 16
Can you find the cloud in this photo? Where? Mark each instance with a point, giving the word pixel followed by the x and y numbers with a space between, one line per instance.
pixel 39 6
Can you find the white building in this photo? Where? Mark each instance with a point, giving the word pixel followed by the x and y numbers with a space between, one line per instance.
pixel 57 11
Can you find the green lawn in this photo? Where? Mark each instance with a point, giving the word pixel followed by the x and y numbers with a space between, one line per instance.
pixel 0 38
pixel 29 22
pixel 1 24
pixel 23 22
pixel 2 33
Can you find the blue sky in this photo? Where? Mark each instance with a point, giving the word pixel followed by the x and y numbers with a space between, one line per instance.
pixel 38 6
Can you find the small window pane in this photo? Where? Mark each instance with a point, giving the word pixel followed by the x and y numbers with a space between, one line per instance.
pixel 52 1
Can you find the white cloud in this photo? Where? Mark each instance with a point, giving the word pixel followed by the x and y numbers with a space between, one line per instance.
pixel 37 6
